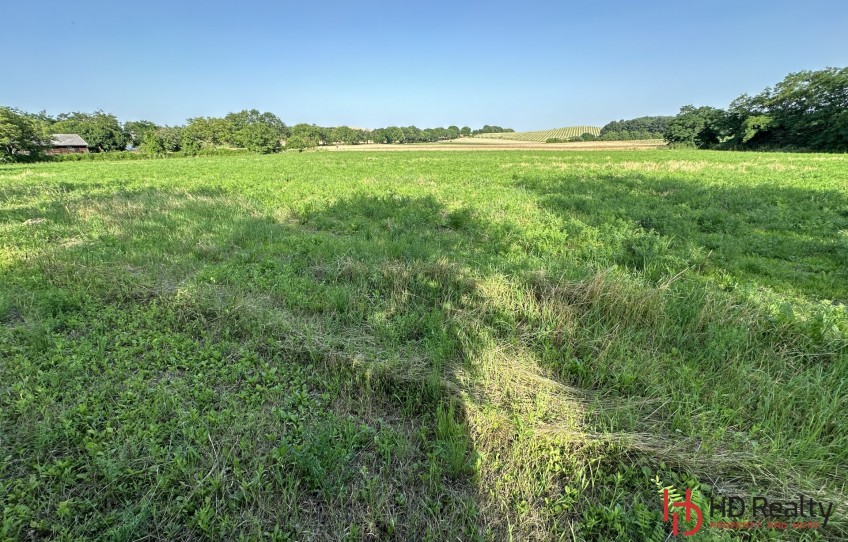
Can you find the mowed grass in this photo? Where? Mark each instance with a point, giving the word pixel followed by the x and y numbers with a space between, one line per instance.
pixel 419 345
pixel 543 135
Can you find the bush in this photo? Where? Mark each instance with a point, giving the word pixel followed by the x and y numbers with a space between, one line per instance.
pixel 586 136
pixel 258 137
pixel 298 143
pixel 135 155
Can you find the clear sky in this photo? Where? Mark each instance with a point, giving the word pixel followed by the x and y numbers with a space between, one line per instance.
pixel 525 65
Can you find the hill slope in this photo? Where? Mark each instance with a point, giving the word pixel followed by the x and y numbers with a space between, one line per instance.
pixel 543 135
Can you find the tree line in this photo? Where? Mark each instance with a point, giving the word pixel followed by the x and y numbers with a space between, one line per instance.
pixel 639 128
pixel 26 136
pixel 808 110
pixel 486 129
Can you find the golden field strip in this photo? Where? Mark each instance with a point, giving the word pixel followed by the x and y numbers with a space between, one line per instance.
pixel 492 144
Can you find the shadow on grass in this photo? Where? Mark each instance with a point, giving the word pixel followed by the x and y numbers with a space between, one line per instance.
pixel 789 239
pixel 186 365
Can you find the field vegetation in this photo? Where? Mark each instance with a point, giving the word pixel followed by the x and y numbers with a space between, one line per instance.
pixel 561 134
pixel 419 346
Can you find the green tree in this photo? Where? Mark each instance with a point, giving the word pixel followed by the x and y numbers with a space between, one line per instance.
pixel 411 134
pixel 807 109
pixel 205 132
pixel 309 132
pixel 345 135
pixel 299 143
pixel 152 144
pixel 465 131
pixel 163 140
pixel 136 129
pixel 258 137
pixel 487 129
pixel 22 137
pixel 100 130
pixel 392 134
pixel 696 126
pixel 237 122
pixel 638 128
pixel 41 117
pixel 379 135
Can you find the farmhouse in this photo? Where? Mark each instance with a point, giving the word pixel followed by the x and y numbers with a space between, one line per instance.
pixel 67 144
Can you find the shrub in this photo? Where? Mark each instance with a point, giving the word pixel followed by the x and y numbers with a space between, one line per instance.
pixel 299 143
pixel 258 137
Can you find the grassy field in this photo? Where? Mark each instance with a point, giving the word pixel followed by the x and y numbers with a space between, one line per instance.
pixel 419 345
pixel 543 135
pixel 490 144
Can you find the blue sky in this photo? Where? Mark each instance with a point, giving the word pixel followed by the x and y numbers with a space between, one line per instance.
pixel 526 65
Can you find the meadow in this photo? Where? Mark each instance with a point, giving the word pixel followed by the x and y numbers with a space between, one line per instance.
pixel 503 345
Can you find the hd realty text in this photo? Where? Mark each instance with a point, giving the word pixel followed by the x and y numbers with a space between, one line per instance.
pixel 804 507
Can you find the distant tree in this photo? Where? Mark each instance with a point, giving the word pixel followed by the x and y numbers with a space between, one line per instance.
pixel 237 122
pixel 172 137
pixel 100 130
pixel 465 131
pixel 746 124
pixel 638 128
pixel 345 135
pixel 808 109
pixel 136 130
pixel 432 134
pixel 697 126
pixel 41 117
pixel 486 129
pixel 258 137
pixel 378 135
pixel 22 136
pixel 163 140
pixel 411 134
pixel 152 144
pixel 309 132
pixel 206 132
pixel 393 134
pixel 299 143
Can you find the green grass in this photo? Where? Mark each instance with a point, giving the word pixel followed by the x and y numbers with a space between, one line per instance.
pixel 419 345
pixel 544 135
